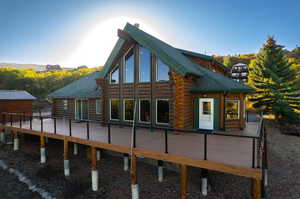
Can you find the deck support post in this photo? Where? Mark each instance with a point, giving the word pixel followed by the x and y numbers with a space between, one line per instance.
pixel 75 149
pixel 204 182
pixel 98 155
pixel 125 162
pixel 160 171
pixel 94 169
pixel 66 158
pixel 16 141
pixel 43 149
pixel 183 181
pixel 134 185
pixel 266 178
pixel 256 189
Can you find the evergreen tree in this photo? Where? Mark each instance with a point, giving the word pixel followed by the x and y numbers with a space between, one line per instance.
pixel 275 82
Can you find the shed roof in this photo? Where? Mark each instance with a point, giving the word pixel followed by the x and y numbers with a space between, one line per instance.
pixel 85 87
pixel 15 95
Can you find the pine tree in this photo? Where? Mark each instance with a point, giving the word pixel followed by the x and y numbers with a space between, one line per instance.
pixel 275 82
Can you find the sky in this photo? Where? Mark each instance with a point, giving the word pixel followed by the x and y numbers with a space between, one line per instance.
pixel 83 32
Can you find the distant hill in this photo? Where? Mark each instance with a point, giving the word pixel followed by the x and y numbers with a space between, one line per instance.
pixel 37 67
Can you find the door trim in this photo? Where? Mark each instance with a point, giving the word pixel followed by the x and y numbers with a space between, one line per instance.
pixel 212 112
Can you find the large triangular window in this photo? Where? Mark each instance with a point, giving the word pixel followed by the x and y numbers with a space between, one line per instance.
pixel 162 71
pixel 114 76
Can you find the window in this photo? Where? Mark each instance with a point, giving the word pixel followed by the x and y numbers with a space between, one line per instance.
pixel 114 109
pixel 162 111
pixel 114 76
pixel 232 109
pixel 129 66
pixel 98 106
pixel 145 110
pixel 65 104
pixel 145 65
pixel 206 108
pixel 162 71
pixel 128 109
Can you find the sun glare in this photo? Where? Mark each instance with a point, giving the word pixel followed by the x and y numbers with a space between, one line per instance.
pixel 96 44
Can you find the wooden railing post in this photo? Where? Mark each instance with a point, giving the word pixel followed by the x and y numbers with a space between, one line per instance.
pixel 70 127
pixel 108 134
pixel 88 130
pixel 205 146
pixel 166 141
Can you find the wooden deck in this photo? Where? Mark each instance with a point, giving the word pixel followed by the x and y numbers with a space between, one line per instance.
pixel 224 153
pixel 229 150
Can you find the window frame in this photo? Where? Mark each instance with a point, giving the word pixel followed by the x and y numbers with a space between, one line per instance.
pixel 156 67
pixel 124 112
pixel 156 101
pixel 124 65
pixel 150 69
pixel 110 118
pixel 144 99
pixel 239 108
pixel 110 75
pixel 98 106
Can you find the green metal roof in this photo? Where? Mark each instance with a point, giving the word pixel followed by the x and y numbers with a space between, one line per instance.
pixel 195 54
pixel 85 87
pixel 166 53
pixel 213 82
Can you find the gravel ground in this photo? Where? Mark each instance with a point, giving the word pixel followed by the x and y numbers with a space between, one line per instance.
pixel 284 174
pixel 284 164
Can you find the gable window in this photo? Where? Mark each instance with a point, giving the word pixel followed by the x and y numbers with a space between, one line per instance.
pixel 114 76
pixel 145 65
pixel 129 66
pixel 98 106
pixel 114 109
pixel 232 109
pixel 162 71
pixel 162 111
pixel 128 109
pixel 144 110
pixel 65 104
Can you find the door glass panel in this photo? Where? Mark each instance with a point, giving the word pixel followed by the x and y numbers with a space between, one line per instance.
pixel 162 111
pixel 85 110
pixel 78 109
pixel 206 108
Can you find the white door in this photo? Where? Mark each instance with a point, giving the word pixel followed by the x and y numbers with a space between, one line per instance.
pixel 206 113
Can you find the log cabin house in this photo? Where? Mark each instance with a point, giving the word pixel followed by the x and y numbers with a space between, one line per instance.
pixel 13 101
pixel 169 87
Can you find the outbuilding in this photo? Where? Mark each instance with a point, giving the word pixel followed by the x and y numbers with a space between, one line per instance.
pixel 14 101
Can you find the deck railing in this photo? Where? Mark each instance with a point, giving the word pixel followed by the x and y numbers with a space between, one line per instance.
pixel 259 159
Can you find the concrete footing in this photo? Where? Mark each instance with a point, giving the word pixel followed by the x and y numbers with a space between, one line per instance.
pixel 95 180
pixel 160 173
pixel 66 167
pixel 16 144
pixel 135 191
pixel 43 155
pixel 266 178
pixel 126 162
pixel 2 137
pixel 75 149
pixel 204 186
pixel 98 155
